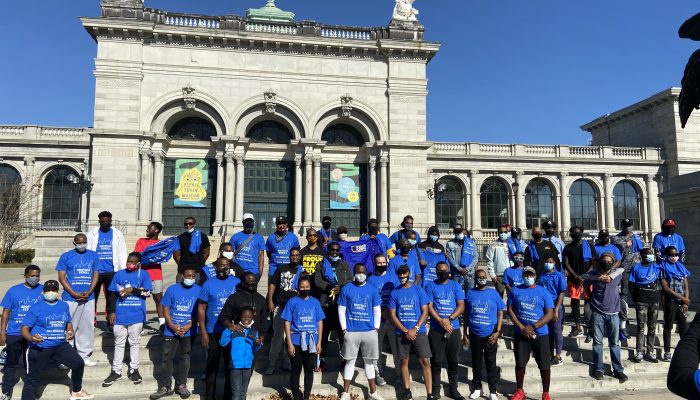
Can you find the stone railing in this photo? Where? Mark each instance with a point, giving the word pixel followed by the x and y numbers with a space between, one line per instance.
pixel 31 132
pixel 65 132
pixel 271 28
pixel 208 23
pixel 546 151
pixel 11 130
pixel 346 34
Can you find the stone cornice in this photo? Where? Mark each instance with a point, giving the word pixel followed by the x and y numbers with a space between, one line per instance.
pixel 646 104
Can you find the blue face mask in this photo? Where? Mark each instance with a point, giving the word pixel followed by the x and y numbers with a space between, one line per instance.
pixel 503 236
pixel 529 281
pixel 549 266
pixel 412 242
pixel 650 258
pixel 334 259
pixel 434 238
pixel 189 282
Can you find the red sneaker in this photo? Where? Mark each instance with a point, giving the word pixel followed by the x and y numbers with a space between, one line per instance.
pixel 518 395
pixel 545 396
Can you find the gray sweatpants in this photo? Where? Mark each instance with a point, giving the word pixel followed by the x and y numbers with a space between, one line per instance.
pixel 83 320
pixel 121 333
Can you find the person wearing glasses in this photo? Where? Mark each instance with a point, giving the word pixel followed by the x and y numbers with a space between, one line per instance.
pixel 194 248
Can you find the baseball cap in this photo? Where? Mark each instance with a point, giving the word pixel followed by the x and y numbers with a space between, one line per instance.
pixel 548 224
pixel 403 270
pixel 457 228
pixel 327 218
pixel 248 216
pixel 604 232
pixel 529 269
pixel 669 222
pixel 626 222
pixel 280 220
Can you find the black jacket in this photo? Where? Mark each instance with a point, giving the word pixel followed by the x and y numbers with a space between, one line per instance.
pixel 343 275
pixel 237 301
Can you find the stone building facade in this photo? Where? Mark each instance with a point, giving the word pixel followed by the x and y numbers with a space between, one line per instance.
pixel 272 106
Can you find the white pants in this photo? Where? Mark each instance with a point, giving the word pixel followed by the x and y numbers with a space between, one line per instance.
pixel 83 320
pixel 121 332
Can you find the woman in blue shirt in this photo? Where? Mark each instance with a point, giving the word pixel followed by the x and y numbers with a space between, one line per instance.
pixel 674 281
pixel 644 286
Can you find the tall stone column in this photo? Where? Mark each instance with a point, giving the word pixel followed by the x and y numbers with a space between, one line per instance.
pixel 308 191
pixel 317 191
pixel 609 207
pixel 240 189
pixel 220 188
pixel 372 187
pixel 146 187
pixel 520 201
pixel 298 188
pixel 565 222
pixel 157 211
pixel 653 205
pixel 476 203
pixel 31 206
pixel 384 185
pixel 230 190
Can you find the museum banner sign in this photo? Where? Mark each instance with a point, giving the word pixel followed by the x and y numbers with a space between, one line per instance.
pixel 345 187
pixel 191 183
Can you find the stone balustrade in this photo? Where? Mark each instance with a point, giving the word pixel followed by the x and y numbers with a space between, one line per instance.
pixel 546 151
pixel 346 34
pixel 30 132
pixel 208 23
pixel 272 28
pixel 11 130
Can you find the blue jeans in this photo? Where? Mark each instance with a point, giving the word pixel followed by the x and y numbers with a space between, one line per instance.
pixel 605 325
pixel 240 377
pixel 466 282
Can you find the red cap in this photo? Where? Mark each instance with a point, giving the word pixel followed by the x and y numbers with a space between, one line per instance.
pixel 669 222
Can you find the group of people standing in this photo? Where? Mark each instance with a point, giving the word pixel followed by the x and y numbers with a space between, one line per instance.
pixel 421 296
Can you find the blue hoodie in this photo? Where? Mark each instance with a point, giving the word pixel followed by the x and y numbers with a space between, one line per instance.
pixel 243 346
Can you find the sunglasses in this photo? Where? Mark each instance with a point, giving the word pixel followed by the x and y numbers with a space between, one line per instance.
pixel 189 223
pixel 312 235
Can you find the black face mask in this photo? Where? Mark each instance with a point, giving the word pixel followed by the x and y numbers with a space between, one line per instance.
pixel 405 250
pixel 293 263
pixel 326 225
pixel 668 230
pixel 373 230
pixel 604 239
pixel 222 274
pixel 443 275
pixel 249 288
pixel 248 225
pixel 304 293
pixel 537 236
pixel 606 267
pixel 105 227
pixel 576 237
pixel 380 270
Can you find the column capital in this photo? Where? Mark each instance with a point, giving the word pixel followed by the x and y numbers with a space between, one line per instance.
pixel 563 174
pixel 240 158
pixel 158 156
pixel 316 160
pixel 384 160
pixel 607 176
pixel 519 174
pixel 372 161
pixel 651 177
pixel 29 161
pixel 474 172
pixel 297 160
pixel 145 154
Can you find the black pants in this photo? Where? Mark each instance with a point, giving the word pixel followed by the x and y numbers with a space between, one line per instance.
pixel 214 353
pixel 103 282
pixel 681 373
pixel 482 350
pixel 445 349
pixel 37 360
pixel 307 361
pixel 673 313
pixel 331 324
pixel 175 346
pixel 15 348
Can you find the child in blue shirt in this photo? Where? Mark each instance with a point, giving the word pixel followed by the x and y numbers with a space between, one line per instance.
pixel 555 283
pixel 244 345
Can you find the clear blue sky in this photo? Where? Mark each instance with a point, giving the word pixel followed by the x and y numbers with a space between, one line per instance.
pixel 509 71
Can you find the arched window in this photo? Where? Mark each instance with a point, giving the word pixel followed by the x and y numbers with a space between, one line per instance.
pixel 538 203
pixel 60 205
pixel 626 204
pixel 10 192
pixel 270 132
pixel 583 208
pixel 192 128
pixel 342 135
pixel 494 204
pixel 449 203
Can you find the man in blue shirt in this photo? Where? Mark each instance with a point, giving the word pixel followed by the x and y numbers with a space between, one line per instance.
pixel 430 252
pixel 483 319
pixel 78 274
pixel 373 232
pixel 406 227
pixel 212 298
pixel 408 307
pixel 604 245
pixel 447 304
pixel 15 305
pixel 279 244
pixel 328 234
pixel 668 237
pixel 249 247
pixel 674 281
pixel 359 313
pixel 385 282
pixel 530 307
pixel 550 231
pixel 555 283
pixel 47 328
pixel 513 275
pixel 644 280
pixel 179 305
pixel 130 287
pixel 406 256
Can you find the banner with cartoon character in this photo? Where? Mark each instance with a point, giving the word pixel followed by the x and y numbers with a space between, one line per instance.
pixel 191 183
pixel 345 187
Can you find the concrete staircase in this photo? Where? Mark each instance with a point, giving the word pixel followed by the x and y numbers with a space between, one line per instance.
pixel 569 379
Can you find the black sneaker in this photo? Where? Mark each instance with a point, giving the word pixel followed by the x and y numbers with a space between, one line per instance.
pixel 161 330
pixel 588 338
pixel 598 375
pixel 183 391
pixel 134 376
pixel 162 392
pixel 621 377
pixel 407 394
pixel 113 377
pixel 433 397
pixel 576 333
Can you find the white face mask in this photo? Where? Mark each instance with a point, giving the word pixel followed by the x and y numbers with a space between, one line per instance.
pixel 549 266
pixel 189 282
pixel 80 248
pixel 246 326
pixel 459 236
pixel 191 230
pixel 343 236
pixel 227 254
pixel 503 236
pixel 361 278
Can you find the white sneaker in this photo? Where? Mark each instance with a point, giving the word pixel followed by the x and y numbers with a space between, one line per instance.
pixel 63 367
pixel 89 363
pixel 345 396
pixel 81 395
pixel 475 394
pixel 493 396
pixel 375 396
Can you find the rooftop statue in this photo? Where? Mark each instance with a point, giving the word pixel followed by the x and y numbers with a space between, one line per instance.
pixel 404 11
pixel 689 98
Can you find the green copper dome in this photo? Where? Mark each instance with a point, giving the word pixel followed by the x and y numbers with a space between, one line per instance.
pixel 271 13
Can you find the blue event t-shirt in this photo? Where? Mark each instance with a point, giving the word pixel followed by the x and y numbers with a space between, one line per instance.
pixel 529 304
pixel 79 268
pixel 444 298
pixel 645 274
pixel 383 240
pixel 215 292
pixel 481 309
pixel 359 302
pixel 104 251
pixel 609 248
pixel 361 251
pixel 398 235
pixel 513 276
pixel 408 302
pixel 412 263
pixel 209 271
pixel 182 302
pixel 432 257
pixel 247 257
pixel 385 283
pixel 131 309
pixel 303 316
pixel 19 299
pixel 279 250
pixel 555 283
pixel 49 321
